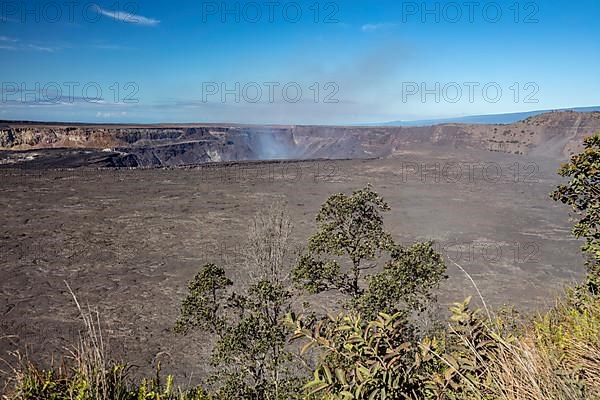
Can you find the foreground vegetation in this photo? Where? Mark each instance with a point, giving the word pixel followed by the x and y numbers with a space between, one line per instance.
pixel 385 342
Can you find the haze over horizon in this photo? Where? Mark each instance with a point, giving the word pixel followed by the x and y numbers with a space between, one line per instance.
pixel 295 63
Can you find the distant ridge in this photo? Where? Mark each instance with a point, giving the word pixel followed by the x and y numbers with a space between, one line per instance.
pixel 555 135
pixel 508 118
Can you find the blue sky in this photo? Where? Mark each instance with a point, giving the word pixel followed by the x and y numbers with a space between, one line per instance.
pixel 301 62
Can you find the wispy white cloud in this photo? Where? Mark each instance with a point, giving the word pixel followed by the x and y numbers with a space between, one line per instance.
pixel 10 43
pixel 8 39
pixel 127 17
pixel 376 27
pixel 45 49
pixel 110 114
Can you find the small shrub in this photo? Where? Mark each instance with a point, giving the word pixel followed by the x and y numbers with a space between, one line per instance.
pixel 250 354
pixel 582 193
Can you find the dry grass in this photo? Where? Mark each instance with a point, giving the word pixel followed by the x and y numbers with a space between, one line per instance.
pixel 90 354
pixel 85 373
pixel 554 357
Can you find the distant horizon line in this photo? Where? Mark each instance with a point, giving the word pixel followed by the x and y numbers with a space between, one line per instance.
pixel 417 122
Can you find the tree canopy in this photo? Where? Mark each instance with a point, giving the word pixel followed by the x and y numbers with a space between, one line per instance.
pixel 582 193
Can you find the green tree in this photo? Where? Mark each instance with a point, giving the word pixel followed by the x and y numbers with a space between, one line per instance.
pixel 250 353
pixel 349 226
pixel 202 309
pixel 582 193
pixel 407 283
pixel 350 240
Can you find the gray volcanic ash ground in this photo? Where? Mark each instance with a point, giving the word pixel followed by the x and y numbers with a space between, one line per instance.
pixel 128 240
